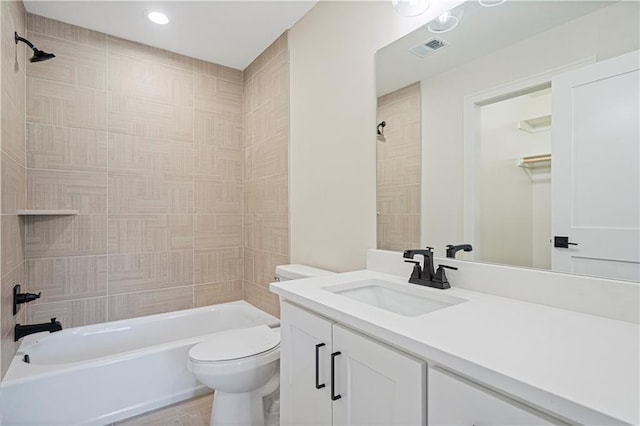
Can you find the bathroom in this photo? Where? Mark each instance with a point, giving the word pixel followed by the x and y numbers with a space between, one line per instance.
pixel 170 215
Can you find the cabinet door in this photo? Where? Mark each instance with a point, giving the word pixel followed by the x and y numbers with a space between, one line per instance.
pixel 304 397
pixel 376 384
pixel 457 401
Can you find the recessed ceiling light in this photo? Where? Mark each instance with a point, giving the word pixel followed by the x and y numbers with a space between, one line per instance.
pixel 158 18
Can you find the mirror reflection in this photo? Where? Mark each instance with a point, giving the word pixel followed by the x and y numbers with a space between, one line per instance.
pixel 517 132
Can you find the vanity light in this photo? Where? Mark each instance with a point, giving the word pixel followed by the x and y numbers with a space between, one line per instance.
pixel 158 18
pixel 410 8
pixel 445 22
pixel 490 3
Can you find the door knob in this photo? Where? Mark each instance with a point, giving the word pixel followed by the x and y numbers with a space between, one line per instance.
pixel 562 242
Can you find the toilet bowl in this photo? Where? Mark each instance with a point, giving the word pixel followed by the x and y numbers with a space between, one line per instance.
pixel 242 366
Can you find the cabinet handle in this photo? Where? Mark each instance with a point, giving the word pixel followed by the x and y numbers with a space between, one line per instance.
pixel 318 385
pixel 334 397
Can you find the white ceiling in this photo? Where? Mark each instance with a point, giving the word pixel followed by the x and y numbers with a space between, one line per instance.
pixel 231 33
pixel 481 30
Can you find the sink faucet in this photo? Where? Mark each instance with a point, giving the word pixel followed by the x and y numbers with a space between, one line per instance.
pixel 452 250
pixel 427 276
pixel 25 330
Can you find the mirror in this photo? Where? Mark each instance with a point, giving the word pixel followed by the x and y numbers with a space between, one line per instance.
pixel 474 147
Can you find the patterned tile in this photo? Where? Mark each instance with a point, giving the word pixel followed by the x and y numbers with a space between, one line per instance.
pixel 139 304
pixel 148 233
pixel 64 148
pixel 62 190
pixel 66 278
pixel 149 271
pixel 57 236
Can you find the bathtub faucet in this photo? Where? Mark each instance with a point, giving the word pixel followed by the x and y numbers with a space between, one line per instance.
pixel 25 330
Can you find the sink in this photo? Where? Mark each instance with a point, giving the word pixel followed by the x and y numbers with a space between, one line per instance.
pixel 393 297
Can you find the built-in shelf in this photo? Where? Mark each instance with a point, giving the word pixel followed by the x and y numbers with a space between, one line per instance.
pixel 47 212
pixel 535 125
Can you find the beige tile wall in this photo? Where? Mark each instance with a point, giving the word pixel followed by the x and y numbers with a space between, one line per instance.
pixel 12 170
pixel 147 145
pixel 178 167
pixel 399 170
pixel 265 154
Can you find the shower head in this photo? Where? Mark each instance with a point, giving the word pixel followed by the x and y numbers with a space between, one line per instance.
pixel 38 55
pixel 380 131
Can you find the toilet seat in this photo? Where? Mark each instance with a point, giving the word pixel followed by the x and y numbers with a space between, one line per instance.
pixel 232 346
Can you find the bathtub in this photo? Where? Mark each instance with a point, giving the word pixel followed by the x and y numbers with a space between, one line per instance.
pixel 103 373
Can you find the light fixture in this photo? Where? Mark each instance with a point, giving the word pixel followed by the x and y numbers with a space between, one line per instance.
pixel 490 3
pixel 410 8
pixel 158 18
pixel 445 22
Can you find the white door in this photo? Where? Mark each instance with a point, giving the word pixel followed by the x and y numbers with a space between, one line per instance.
pixel 305 345
pixel 374 384
pixel 595 169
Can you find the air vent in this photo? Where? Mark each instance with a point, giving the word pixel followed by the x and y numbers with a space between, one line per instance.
pixel 429 46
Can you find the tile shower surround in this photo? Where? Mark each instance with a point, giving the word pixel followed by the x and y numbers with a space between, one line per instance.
pixel 12 171
pixel 178 169
pixel 398 170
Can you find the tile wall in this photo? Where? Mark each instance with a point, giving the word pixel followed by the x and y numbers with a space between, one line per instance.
pixel 399 170
pixel 12 170
pixel 147 146
pixel 178 168
pixel 266 177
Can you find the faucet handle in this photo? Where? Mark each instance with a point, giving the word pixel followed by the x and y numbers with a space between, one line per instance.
pixel 448 267
pixel 416 274
pixel 53 320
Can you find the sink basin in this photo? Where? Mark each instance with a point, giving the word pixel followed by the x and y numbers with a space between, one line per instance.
pixel 386 295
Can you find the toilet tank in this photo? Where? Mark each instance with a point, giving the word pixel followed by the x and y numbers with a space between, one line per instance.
pixel 294 272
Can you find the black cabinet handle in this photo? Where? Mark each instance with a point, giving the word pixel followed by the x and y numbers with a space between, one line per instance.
pixel 334 397
pixel 318 385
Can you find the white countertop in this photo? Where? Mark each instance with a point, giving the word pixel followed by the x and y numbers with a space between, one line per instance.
pixel 579 367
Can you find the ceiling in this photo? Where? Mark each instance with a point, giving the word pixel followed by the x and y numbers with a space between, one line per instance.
pixel 230 33
pixel 481 30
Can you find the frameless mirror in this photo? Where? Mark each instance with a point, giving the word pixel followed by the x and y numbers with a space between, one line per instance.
pixel 517 132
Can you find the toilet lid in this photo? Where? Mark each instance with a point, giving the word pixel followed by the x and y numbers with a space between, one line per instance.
pixel 234 344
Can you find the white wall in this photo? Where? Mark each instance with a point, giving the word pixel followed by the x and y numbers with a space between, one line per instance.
pixel 332 151
pixel 606 33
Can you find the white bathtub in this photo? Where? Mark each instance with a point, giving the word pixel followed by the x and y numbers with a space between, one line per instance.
pixel 107 372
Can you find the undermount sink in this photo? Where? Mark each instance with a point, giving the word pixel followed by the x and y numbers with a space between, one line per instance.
pixel 382 294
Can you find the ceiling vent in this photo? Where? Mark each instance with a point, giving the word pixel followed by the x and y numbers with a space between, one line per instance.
pixel 429 46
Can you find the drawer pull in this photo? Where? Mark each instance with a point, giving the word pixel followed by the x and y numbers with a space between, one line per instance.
pixel 318 385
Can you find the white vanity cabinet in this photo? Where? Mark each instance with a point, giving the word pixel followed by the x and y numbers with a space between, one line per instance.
pixel 454 400
pixel 331 375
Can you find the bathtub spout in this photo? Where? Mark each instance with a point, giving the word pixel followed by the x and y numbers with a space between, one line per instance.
pixel 25 330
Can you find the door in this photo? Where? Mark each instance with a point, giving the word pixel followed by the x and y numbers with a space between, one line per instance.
pixel 305 345
pixel 457 401
pixel 596 128
pixel 374 384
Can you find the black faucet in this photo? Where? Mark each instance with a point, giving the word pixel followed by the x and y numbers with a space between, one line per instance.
pixel 427 276
pixel 452 250
pixel 25 330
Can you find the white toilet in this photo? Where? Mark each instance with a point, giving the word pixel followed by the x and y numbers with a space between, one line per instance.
pixel 243 365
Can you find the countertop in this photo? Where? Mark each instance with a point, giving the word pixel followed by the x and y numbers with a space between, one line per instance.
pixel 578 367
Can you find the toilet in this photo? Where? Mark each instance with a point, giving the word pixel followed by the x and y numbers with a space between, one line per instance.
pixel 243 365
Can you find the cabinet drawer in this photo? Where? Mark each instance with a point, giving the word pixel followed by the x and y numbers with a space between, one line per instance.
pixel 453 400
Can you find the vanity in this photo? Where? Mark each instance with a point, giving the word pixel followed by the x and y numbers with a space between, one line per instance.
pixel 367 347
